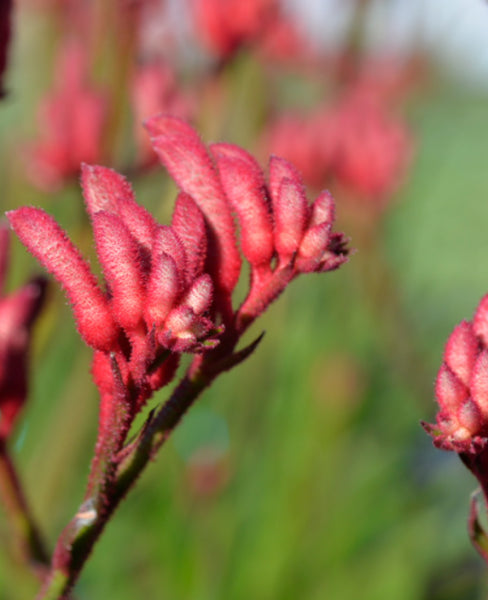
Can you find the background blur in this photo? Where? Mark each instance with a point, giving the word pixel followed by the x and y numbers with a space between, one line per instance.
pixel 305 473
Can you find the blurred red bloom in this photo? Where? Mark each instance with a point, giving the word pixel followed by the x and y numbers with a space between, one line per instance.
pixel 356 143
pixel 155 90
pixel 226 26
pixel 71 122
pixel 18 312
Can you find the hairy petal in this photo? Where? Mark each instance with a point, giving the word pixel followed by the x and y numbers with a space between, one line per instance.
pixel 43 237
pixel 323 209
pixel 163 289
pixel 199 297
pixel 279 170
pixel 479 383
pixel 461 351
pixel 189 224
pixel 105 189
pixel 245 187
pixel 182 152
pixel 118 254
pixel 291 216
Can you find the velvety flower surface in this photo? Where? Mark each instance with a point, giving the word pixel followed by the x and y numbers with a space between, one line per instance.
pixel 168 288
pixel 462 387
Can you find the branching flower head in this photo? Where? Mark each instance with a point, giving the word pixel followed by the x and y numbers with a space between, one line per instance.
pixel 168 288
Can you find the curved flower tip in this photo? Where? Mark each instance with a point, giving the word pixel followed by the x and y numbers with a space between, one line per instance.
pixel 43 237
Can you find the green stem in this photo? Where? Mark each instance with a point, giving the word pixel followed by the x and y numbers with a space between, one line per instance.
pixel 28 538
pixel 79 537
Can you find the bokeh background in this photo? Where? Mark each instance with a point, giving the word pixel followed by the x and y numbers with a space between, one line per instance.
pixel 305 473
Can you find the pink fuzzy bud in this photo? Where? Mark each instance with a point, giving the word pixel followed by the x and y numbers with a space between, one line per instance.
pixel 118 254
pixel 479 383
pixel 469 418
pixel 43 237
pixel 279 170
pixel 461 351
pixel 244 185
pixel 291 215
pixel 186 158
pixel 189 224
pixel 166 240
pixel 450 392
pixel 323 209
pixel 163 289
pixel 312 248
pixel 107 190
pixel 199 297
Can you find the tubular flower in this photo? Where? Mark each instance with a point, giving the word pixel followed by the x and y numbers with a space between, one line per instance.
pixel 462 387
pixel 168 288
pixel 227 26
pixel 18 312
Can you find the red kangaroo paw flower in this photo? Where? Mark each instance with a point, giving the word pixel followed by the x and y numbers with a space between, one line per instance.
pixel 163 289
pixel 43 237
pixel 323 209
pixel 479 383
pixel 244 185
pixel 199 296
pixel 461 351
pixel 312 248
pixel 189 224
pixel 181 151
pixel 122 267
pixel 291 213
pixel 279 170
pixel 105 189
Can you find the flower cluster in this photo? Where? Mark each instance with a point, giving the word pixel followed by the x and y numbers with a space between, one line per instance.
pixel 462 387
pixel 18 312
pixel 168 289
pixel 355 142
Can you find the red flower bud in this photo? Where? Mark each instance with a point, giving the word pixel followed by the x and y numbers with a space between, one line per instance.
pixel 244 185
pixel 43 237
pixel 186 158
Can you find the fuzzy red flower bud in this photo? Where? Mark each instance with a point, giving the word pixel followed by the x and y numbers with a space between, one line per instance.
pixel 189 224
pixel 105 189
pixel 186 158
pixel 290 215
pixel 461 351
pixel 43 237
pixel 244 185
pixel 163 289
pixel 199 296
pixel 122 267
